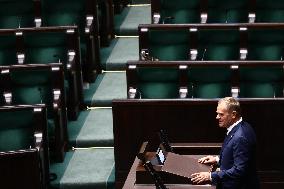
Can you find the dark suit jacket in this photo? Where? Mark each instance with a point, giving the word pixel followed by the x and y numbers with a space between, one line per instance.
pixel 237 160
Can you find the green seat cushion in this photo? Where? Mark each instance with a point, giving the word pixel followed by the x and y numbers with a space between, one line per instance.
pixel 32 87
pixel 218 44
pixel 71 12
pixel 268 52
pixel 180 16
pixel 16 130
pixel 169 45
pixel 218 15
pixel 270 15
pixel 46 47
pixel 227 11
pixel 208 82
pixel 158 82
pixel 7 49
pixel 210 90
pixel 261 82
pixel 11 17
pixel 155 90
pixel 261 90
pixel 181 11
pixel 223 51
pixel 15 139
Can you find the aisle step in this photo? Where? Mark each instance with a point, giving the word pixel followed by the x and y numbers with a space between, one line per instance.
pixel 112 86
pixel 85 169
pixel 127 22
pixel 93 128
pixel 120 51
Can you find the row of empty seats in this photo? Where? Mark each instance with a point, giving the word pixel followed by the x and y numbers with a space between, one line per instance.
pixel 47 45
pixel 48 49
pixel 216 11
pixel 185 79
pixel 211 42
pixel 94 19
pixel 39 84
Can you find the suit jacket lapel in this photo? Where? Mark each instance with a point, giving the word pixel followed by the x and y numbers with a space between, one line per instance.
pixel 229 137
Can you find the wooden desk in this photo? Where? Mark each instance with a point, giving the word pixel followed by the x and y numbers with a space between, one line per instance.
pixel 131 179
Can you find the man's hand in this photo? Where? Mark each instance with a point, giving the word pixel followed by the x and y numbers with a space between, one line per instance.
pixel 208 160
pixel 200 178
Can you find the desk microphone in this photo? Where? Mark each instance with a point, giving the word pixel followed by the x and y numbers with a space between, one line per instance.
pixel 156 177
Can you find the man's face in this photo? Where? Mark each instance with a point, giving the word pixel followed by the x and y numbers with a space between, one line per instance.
pixel 224 116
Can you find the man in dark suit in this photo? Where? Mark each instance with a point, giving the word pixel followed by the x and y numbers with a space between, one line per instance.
pixel 237 169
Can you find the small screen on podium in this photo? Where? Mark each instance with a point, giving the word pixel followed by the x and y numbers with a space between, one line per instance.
pixel 161 156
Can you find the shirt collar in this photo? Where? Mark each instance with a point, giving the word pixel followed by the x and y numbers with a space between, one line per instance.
pixel 232 126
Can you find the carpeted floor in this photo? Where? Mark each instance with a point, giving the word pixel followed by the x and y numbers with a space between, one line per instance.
pixel 112 86
pixel 130 18
pixel 93 128
pixel 86 167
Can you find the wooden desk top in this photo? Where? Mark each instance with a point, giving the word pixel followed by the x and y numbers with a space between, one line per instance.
pixel 131 179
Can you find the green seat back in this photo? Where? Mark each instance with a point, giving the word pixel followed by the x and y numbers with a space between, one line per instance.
pixel 270 4
pixel 261 82
pixel 267 52
pixel 17 13
pixel 158 82
pixel 218 15
pixel 16 130
pixel 266 44
pixel 64 13
pixel 32 87
pixel 181 11
pixel 8 50
pixel 46 47
pixel 227 11
pixel 270 15
pixel 218 45
pixel 169 44
pixel 208 82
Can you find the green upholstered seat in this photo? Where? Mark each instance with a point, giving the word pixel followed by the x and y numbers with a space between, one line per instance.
pixel 179 11
pixel 158 82
pixel 52 47
pixel 180 16
pixel 227 11
pixel 7 49
pixel 261 82
pixel 265 52
pixel 16 130
pixel 266 44
pixel 32 87
pixel 270 15
pixel 16 14
pixel 169 45
pixel 35 86
pixel 74 13
pixel 46 47
pixel 270 11
pixel 219 15
pixel 208 82
pixel 218 45
pixel 58 13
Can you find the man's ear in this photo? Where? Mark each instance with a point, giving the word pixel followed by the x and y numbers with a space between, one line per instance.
pixel 234 114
